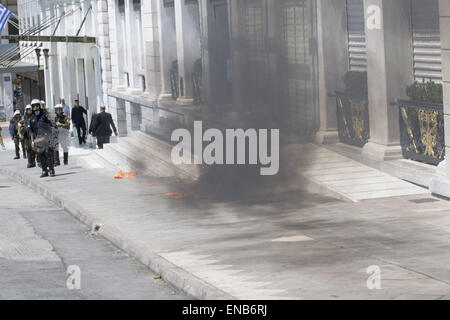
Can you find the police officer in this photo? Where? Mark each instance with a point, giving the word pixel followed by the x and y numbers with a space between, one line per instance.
pixel 35 105
pixel 41 127
pixel 14 131
pixel 25 136
pixel 63 124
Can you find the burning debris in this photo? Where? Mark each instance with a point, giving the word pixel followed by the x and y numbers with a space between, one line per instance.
pixel 124 175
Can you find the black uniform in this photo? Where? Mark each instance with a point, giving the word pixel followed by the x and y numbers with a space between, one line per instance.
pixel 101 128
pixel 80 124
pixel 26 124
pixel 44 142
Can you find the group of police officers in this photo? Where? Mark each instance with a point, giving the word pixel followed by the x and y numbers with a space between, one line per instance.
pixel 40 133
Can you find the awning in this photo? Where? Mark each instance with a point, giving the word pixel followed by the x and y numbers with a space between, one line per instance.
pixel 20 67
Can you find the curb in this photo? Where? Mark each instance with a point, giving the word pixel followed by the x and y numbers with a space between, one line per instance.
pixel 177 277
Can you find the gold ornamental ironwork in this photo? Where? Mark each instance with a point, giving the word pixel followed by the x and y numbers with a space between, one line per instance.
pixel 428 122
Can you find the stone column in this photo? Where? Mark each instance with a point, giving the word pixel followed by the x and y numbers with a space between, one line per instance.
pixel 167 46
pixel 151 46
pixel 131 45
pixel 54 72
pixel 81 81
pixel 389 72
pixel 444 13
pixel 100 18
pixel 332 63
pixel 188 47
pixel 114 31
pixel 73 83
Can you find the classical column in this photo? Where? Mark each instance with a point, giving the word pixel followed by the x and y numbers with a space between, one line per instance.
pixel 73 94
pixel 54 75
pixel 444 13
pixel 188 47
pixel 131 45
pixel 332 63
pixel 167 46
pixel 151 46
pixel 81 81
pixel 389 72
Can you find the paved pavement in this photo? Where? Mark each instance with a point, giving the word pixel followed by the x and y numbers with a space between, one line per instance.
pixel 288 245
pixel 38 242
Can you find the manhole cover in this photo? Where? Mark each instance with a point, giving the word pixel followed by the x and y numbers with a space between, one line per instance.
pixel 419 201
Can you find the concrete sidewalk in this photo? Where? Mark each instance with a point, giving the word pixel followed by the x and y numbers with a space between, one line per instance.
pixel 289 245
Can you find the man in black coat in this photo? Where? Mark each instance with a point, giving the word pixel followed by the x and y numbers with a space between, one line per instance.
pixel 101 127
pixel 78 121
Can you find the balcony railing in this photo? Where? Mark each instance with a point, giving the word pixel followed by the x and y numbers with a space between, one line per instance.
pixel 353 118
pixel 422 131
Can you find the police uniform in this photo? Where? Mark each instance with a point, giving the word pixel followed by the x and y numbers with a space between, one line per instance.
pixel 14 131
pixel 42 127
pixel 25 136
pixel 63 124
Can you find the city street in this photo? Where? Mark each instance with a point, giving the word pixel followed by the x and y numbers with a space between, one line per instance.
pixel 283 245
pixel 38 242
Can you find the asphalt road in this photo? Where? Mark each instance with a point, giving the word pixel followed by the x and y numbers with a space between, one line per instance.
pixel 39 244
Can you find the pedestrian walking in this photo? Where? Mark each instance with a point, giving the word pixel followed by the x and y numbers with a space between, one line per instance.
pixel 44 144
pixel 101 127
pixel 78 113
pixel 66 109
pixel 14 131
pixel 63 124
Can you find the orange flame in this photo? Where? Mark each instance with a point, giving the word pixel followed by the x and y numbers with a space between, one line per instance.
pixel 124 175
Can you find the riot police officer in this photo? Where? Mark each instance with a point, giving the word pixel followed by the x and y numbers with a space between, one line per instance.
pixel 63 124
pixel 14 128
pixel 42 128
pixel 25 136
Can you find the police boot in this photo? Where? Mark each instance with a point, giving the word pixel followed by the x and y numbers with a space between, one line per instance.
pixel 66 158
pixel 52 172
pixel 24 154
pixel 44 173
pixel 57 162
pixel 17 155
pixel 31 164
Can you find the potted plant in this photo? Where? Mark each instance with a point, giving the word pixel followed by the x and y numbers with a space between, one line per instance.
pixel 352 110
pixel 422 123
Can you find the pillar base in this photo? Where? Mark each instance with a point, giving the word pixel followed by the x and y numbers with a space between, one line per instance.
pixel 442 169
pixel 327 137
pixel 165 97
pixel 185 101
pixel 381 152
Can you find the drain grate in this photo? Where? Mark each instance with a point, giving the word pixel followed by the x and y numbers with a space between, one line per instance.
pixel 4 187
pixel 426 200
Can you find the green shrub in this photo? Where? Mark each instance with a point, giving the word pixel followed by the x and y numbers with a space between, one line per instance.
pixel 425 91
pixel 356 82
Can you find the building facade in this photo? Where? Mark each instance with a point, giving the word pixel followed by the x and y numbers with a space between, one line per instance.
pixel 159 64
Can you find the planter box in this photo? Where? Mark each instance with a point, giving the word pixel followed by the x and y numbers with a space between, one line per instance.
pixel 353 118
pixel 422 131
